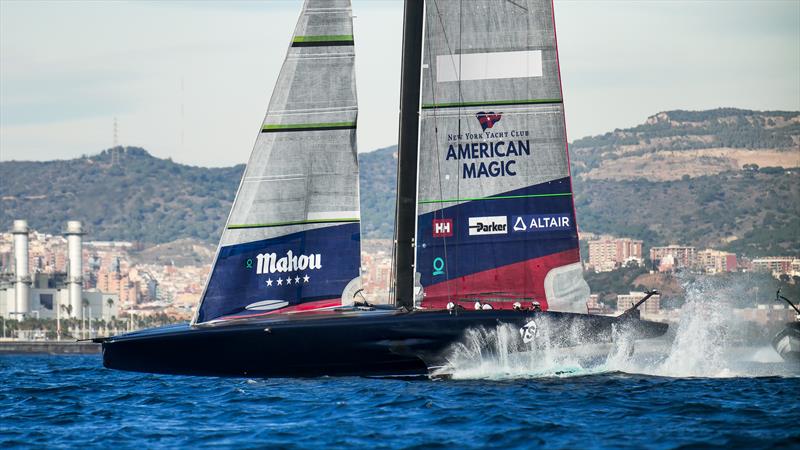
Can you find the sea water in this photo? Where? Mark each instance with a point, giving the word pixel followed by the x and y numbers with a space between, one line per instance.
pixel 693 388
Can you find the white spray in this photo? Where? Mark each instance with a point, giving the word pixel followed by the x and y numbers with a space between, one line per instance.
pixel 699 345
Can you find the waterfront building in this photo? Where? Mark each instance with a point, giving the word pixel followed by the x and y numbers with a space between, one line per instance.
pixel 6 260
pixel 593 306
pixel 650 308
pixel 777 265
pixel 673 257
pixel 49 298
pixel 715 261
pixel 766 314
pixel 606 254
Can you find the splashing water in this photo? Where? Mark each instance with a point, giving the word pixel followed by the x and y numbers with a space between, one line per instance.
pixel 699 345
pixel 499 353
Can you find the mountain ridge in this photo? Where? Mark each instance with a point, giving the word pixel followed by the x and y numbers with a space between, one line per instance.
pixel 672 194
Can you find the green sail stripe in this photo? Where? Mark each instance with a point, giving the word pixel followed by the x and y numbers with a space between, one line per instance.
pixel 308 125
pixel 493 102
pixel 501 197
pixel 324 38
pixel 295 222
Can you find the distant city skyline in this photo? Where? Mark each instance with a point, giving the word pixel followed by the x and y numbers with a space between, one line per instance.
pixel 191 81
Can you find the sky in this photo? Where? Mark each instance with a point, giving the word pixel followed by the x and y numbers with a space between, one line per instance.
pixel 191 80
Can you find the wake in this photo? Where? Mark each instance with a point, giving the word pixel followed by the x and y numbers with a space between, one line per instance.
pixel 698 345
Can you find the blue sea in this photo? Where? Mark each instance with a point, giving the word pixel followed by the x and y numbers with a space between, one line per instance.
pixel 73 402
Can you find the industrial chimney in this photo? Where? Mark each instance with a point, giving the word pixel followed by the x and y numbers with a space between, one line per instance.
pixel 75 276
pixel 22 279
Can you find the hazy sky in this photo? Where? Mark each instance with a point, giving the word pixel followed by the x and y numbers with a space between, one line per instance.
pixel 191 81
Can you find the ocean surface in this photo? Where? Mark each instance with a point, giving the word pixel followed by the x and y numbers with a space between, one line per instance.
pixel 697 387
pixel 73 402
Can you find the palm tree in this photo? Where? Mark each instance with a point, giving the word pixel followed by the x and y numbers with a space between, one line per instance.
pixel 85 304
pixel 68 310
pixel 110 303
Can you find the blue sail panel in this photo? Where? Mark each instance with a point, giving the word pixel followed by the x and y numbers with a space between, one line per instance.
pixel 259 277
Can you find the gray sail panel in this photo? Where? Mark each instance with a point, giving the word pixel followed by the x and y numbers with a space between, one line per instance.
pixel 304 165
pixel 298 199
pixel 496 59
pixel 445 159
pixel 485 40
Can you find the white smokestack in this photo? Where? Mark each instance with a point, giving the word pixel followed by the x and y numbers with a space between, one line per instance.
pixel 75 276
pixel 22 281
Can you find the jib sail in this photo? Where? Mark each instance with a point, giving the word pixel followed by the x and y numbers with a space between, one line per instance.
pixel 292 240
pixel 495 215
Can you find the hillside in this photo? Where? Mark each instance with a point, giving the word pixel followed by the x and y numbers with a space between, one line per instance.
pixel 181 252
pixel 156 200
pixel 646 182
pixel 674 144
pixel 378 171
pixel 747 212
pixel 143 198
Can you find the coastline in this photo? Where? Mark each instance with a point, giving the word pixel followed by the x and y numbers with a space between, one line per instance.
pixel 49 347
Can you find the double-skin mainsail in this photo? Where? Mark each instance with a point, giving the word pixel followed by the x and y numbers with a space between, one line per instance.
pixel 292 239
pixel 495 214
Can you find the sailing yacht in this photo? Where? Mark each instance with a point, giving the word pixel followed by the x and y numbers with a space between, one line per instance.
pixel 485 229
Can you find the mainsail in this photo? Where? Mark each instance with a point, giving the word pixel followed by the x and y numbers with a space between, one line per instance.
pixel 495 215
pixel 292 240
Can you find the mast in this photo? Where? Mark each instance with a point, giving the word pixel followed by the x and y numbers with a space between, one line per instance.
pixel 407 151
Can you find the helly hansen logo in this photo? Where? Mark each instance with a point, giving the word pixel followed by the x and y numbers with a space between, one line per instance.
pixel 442 228
pixel 488 225
pixel 487 120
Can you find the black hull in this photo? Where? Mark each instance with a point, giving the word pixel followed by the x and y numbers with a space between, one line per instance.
pixel 373 343
pixel 787 342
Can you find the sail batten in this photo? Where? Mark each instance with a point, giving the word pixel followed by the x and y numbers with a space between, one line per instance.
pixel 542 101
pixel 292 239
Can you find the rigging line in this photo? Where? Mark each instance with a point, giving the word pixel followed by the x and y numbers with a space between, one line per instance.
pixel 527 287
pixel 438 159
pixel 460 51
pixel 460 111
pixel 517 5
pixel 444 30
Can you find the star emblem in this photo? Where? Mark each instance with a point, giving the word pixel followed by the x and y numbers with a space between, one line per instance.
pixel 280 282
pixel 288 280
pixel 269 281
pixel 297 280
pixel 306 278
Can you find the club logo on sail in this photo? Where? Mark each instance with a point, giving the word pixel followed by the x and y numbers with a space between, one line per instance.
pixel 442 228
pixel 488 225
pixel 438 266
pixel 267 263
pixel 487 120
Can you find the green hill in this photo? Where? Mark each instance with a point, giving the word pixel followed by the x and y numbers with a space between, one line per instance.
pixel 719 178
pixel 143 198
pixel 674 144
pixel 747 212
pixel 378 171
